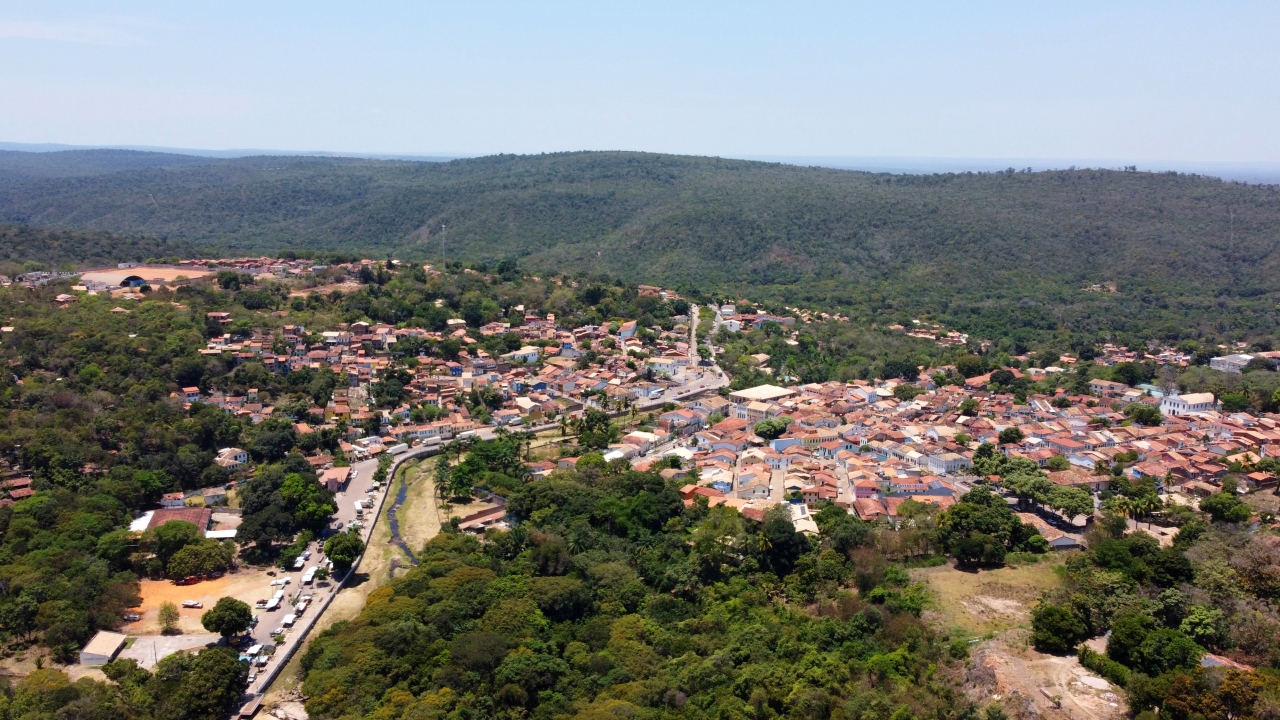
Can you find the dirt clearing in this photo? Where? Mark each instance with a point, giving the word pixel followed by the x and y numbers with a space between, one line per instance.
pixel 419 516
pixel 986 602
pixel 1029 683
pixel 247 584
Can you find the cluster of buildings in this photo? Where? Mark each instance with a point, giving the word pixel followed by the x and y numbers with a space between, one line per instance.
pixel 548 376
pixel 856 445
pixel 735 321
pixel 934 332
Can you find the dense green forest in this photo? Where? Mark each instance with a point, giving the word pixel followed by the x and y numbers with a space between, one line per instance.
pixel 17 166
pixel 995 254
pixel 24 248
pixel 612 599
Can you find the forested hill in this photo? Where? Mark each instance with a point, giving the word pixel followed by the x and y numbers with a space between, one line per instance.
pixel 678 218
pixel 19 166
pixel 990 244
pixel 23 247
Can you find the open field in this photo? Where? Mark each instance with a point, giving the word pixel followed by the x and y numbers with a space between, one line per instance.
pixel 986 602
pixel 419 516
pixel 996 605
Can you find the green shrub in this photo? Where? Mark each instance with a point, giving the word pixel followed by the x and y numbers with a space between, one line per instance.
pixel 1114 672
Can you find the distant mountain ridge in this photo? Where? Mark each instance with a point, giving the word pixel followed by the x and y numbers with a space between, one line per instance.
pixel 951 244
pixel 668 217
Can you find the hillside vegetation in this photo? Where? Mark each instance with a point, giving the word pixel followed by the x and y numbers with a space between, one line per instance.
pixel 986 251
pixel 18 166
pixel 24 248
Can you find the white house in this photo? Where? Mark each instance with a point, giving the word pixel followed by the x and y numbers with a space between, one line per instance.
pixel 663 365
pixel 1230 363
pixel 231 458
pixel 526 354
pixel 1174 404
pixel 946 463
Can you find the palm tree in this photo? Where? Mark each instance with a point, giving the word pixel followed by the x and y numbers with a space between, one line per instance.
pixel 564 425
pixel 443 477
pixel 763 545
pixel 1145 505
pixel 1123 505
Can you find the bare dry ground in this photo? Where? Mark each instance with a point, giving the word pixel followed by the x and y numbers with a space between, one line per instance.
pixel 345 287
pixel 247 584
pixel 1263 501
pixel 1032 684
pixel 993 608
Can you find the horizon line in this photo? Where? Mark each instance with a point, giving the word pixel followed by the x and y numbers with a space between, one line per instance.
pixel 1257 171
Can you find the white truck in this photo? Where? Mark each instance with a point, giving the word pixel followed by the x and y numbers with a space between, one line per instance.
pixel 359 510
pixel 398 449
pixel 289 620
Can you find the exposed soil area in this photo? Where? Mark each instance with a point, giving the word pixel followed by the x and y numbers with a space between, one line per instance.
pixel 247 584
pixel 1032 684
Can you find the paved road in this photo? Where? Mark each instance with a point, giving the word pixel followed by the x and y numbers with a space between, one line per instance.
pixel 270 621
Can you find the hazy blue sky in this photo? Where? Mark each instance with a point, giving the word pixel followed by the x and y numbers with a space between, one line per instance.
pixel 1159 80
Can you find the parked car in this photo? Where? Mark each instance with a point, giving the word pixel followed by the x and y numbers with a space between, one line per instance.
pixel 192 604
pixel 132 617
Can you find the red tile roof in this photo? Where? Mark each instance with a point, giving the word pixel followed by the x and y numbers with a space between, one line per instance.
pixel 196 516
